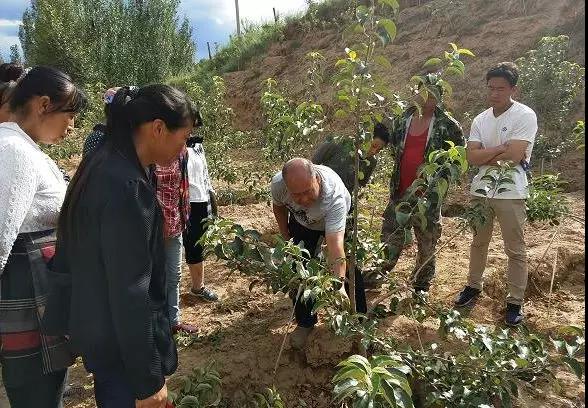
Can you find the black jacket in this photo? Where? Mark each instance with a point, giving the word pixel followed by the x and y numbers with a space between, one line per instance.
pixel 109 285
pixel 338 157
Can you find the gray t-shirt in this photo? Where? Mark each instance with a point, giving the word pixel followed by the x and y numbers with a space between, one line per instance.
pixel 328 213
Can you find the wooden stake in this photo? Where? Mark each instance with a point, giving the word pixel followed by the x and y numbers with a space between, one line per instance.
pixel 238 19
pixel 551 285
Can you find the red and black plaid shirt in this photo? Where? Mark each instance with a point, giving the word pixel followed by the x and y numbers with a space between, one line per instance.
pixel 172 188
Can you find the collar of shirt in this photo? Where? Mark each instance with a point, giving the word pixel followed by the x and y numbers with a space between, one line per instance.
pixel 17 129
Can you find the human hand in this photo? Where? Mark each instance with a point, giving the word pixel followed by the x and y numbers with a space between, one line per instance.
pixel 157 400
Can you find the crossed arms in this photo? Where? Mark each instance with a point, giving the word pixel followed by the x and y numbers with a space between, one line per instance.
pixel 513 150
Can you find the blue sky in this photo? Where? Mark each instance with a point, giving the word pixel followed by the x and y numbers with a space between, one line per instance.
pixel 212 20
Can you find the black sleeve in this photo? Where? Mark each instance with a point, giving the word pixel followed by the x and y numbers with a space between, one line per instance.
pixel 127 228
pixel 456 133
pixel 323 153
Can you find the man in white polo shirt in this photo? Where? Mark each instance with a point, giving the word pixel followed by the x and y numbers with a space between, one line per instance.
pixel 504 132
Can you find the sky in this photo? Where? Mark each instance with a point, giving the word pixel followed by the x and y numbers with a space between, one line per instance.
pixel 212 20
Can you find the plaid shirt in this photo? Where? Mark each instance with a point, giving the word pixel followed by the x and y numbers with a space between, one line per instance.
pixel 172 189
pixel 444 128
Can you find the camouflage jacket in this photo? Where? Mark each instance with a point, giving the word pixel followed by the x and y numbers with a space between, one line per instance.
pixel 443 128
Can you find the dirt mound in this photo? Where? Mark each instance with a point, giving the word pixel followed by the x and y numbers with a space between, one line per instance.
pixel 423 31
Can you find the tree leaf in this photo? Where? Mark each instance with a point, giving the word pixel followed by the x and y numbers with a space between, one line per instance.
pixel 383 61
pixel 442 187
pixel 390 3
pixel 431 62
pixel 575 365
pixel 389 26
pixel 465 51
pixel 402 218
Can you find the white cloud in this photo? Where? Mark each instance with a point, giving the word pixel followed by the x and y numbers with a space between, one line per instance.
pixel 9 23
pixel 223 11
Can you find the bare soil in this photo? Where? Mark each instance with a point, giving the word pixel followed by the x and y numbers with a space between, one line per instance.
pixel 244 331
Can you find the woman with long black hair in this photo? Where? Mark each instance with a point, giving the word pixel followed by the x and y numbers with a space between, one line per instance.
pixel 109 290
pixel 43 105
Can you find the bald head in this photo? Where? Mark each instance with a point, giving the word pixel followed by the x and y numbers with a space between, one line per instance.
pixel 301 181
pixel 298 168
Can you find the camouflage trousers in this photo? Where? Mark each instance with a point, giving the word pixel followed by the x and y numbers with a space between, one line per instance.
pixel 394 237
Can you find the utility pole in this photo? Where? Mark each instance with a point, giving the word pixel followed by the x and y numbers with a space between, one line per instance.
pixel 275 15
pixel 238 19
pixel 209 54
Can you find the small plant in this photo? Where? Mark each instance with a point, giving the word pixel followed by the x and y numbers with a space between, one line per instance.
pixel 269 398
pixel 579 134
pixel 378 382
pixel 289 128
pixel 546 202
pixel 200 389
pixel 549 83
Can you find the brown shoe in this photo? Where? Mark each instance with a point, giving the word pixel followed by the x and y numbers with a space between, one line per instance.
pixel 186 328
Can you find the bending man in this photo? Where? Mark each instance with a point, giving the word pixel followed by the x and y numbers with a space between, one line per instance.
pixel 311 203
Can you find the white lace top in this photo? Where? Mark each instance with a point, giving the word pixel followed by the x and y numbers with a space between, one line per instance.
pixel 32 188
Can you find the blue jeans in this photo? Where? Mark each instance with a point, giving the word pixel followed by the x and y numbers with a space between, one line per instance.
pixel 173 267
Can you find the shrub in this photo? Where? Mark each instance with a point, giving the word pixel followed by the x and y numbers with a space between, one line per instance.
pixel 546 202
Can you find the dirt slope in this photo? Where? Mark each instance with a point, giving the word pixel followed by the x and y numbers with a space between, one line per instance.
pixel 494 31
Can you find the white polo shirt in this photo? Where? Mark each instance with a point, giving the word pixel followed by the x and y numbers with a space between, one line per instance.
pixel 519 122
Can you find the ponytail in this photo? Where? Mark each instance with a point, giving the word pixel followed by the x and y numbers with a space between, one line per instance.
pixel 129 109
pixel 6 89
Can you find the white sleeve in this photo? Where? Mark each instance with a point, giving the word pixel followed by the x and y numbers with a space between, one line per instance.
pixel 277 190
pixel 336 218
pixel 206 173
pixel 18 186
pixel 525 128
pixel 475 134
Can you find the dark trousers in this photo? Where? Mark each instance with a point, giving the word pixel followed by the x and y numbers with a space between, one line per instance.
pixel 111 388
pixel 312 239
pixel 46 391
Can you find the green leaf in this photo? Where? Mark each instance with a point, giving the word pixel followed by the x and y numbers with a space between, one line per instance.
pixel 361 362
pixel 402 218
pixel 442 187
pixel 389 26
pixel 345 389
pixel 575 365
pixel 465 51
pixel 383 61
pixel 403 400
pixel 340 114
pixel 453 46
pixel 521 362
pixel 453 71
pixel 431 62
pixel 390 3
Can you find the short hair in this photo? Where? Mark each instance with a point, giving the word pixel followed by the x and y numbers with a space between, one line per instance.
pixel 381 132
pixel 506 70
pixel 306 165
